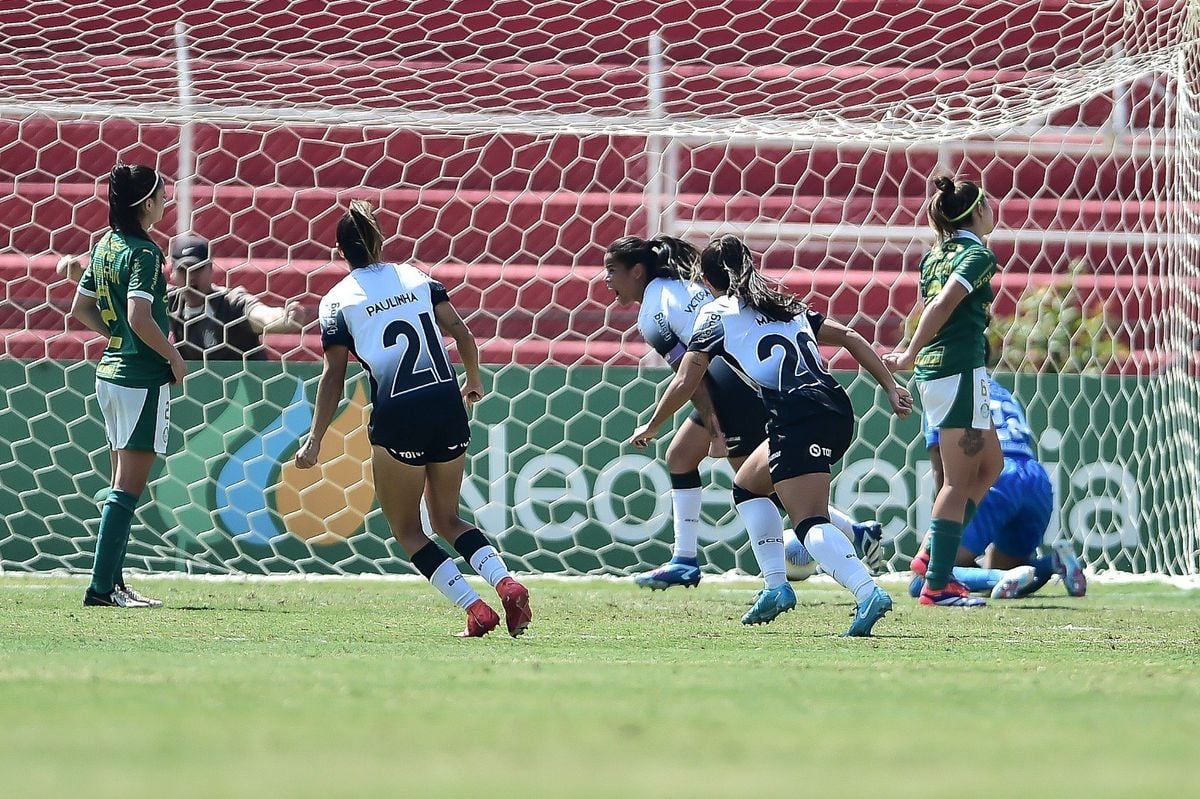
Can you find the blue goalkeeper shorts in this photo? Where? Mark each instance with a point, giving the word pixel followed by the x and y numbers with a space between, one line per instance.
pixel 1016 511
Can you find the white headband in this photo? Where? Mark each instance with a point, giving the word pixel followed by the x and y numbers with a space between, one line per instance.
pixel 154 188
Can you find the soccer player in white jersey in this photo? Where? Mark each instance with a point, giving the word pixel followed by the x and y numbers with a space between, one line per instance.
pixel 392 317
pixel 771 338
pixel 729 419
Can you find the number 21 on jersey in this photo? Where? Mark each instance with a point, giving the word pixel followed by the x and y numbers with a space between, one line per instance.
pixel 408 376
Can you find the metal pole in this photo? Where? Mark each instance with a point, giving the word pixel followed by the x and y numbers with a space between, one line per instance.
pixel 656 104
pixel 187 153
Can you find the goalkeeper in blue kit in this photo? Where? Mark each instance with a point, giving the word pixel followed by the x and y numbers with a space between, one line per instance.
pixel 1011 521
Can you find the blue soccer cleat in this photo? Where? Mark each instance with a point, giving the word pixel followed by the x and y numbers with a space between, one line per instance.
pixel 769 603
pixel 869 611
pixel 676 571
pixel 915 585
pixel 869 538
pixel 1069 568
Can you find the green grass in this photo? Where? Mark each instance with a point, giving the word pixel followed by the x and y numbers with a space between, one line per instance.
pixel 355 688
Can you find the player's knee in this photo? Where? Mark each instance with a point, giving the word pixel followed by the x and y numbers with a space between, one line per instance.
pixel 680 461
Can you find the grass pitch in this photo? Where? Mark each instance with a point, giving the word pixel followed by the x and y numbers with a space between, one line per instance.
pixel 356 688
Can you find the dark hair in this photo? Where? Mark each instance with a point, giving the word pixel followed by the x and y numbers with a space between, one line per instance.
pixel 953 206
pixel 359 236
pixel 128 187
pixel 663 256
pixel 727 264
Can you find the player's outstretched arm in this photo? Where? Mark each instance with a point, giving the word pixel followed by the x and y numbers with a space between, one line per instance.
pixel 291 318
pixel 834 334
pixel 682 387
pixel 932 319
pixel 452 325
pixel 329 396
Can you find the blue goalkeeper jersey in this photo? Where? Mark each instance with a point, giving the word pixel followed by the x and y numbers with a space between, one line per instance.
pixel 1012 428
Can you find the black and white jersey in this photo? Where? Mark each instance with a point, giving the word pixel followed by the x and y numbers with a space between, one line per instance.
pixel 668 315
pixel 384 314
pixel 781 358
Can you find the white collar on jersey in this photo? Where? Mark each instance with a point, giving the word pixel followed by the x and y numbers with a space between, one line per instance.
pixel 966 234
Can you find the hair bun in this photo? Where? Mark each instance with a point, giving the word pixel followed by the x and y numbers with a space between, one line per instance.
pixel 944 184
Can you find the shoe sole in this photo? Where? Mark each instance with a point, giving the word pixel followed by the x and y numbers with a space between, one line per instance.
pixel 661 585
pixel 95 604
pixel 517 614
pixel 971 606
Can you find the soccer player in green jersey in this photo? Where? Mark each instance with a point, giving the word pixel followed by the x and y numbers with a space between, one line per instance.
pixel 947 350
pixel 123 297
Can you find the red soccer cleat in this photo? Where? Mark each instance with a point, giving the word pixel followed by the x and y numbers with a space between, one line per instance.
pixel 920 562
pixel 481 620
pixel 954 595
pixel 515 598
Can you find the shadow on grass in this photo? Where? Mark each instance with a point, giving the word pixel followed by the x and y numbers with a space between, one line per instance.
pixel 227 608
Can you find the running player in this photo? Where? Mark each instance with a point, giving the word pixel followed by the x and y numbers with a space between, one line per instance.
pixel 947 349
pixel 122 295
pixel 771 339
pixel 729 418
pixel 392 317
pixel 1012 518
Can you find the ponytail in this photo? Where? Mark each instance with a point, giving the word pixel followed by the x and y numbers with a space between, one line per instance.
pixel 953 206
pixel 359 235
pixel 128 187
pixel 663 256
pixel 727 265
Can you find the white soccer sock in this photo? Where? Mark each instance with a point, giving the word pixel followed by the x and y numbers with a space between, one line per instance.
pixel 765 527
pixel 450 581
pixel 837 558
pixel 842 522
pixel 489 564
pixel 686 505
pixel 794 550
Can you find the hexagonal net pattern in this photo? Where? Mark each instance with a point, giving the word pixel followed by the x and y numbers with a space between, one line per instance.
pixel 506 144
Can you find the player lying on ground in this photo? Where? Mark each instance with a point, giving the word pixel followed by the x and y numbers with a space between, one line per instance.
pixel 771 339
pixel 729 418
pixel 1011 520
pixel 392 317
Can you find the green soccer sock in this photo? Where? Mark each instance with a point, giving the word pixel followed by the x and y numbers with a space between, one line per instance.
pixel 944 536
pixel 115 521
pixel 119 569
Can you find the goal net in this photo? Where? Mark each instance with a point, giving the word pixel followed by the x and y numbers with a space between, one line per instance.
pixel 506 144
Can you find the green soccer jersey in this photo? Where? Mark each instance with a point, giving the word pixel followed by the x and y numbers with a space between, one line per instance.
pixel 124 266
pixel 959 346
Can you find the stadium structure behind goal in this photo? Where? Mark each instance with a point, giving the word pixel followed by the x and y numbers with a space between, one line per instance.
pixel 506 144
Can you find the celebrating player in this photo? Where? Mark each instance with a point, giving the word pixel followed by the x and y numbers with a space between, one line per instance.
pixel 122 295
pixel 947 349
pixel 392 317
pixel 729 417
pixel 1012 518
pixel 771 338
